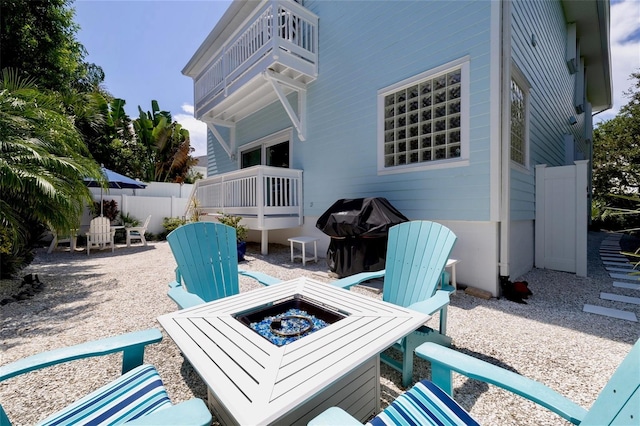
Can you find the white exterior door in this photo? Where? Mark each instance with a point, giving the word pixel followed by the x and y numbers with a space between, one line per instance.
pixel 561 218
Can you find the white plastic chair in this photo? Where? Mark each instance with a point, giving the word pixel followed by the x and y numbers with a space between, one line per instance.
pixel 137 232
pixel 100 234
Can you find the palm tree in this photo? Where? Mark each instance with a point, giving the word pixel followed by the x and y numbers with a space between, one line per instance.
pixel 167 145
pixel 43 161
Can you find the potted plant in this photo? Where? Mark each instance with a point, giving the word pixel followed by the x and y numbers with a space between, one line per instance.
pixel 241 232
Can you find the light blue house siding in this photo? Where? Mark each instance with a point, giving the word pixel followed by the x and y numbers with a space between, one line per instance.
pixel 551 104
pixel 366 46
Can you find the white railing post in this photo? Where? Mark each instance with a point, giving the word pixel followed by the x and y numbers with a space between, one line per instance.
pixel 260 202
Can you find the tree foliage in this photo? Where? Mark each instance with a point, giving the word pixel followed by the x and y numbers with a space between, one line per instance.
pixel 43 161
pixel 38 38
pixel 166 145
pixel 616 157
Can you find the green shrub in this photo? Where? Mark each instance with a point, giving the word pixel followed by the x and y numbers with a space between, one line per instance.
pixel 234 222
pixel 170 223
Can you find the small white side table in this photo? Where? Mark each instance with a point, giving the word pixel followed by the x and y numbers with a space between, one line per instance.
pixel 451 263
pixel 303 241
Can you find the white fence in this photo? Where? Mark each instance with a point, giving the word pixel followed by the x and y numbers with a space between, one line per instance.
pixel 158 199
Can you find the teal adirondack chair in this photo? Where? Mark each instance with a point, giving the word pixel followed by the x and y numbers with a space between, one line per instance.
pixel 137 397
pixel 207 258
pixel 417 253
pixel 618 403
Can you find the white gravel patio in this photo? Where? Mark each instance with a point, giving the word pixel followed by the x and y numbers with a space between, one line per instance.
pixel 549 339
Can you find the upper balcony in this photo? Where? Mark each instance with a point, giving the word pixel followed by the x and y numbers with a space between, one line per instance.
pixel 253 44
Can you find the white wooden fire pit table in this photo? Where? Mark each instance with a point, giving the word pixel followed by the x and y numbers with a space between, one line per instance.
pixel 252 381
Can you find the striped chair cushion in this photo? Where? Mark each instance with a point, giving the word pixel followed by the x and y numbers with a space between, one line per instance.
pixel 134 394
pixel 424 404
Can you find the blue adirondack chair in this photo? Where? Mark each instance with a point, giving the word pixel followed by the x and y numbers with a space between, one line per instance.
pixel 417 253
pixel 618 403
pixel 207 258
pixel 137 397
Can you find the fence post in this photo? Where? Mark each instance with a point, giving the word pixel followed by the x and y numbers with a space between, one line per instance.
pixel 124 204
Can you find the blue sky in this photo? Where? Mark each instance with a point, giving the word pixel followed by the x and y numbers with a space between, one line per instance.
pixel 142 45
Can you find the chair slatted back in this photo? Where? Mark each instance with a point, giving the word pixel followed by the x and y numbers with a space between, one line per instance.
pixel 100 229
pixel 417 252
pixel 207 258
pixel 619 401
pixel 146 222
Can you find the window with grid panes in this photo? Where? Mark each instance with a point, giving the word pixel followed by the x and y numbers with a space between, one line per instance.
pixel 518 123
pixel 422 122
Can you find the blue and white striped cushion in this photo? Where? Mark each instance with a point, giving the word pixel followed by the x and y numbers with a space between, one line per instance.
pixel 134 394
pixel 423 404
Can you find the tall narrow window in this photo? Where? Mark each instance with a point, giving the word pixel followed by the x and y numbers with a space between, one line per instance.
pixel 519 120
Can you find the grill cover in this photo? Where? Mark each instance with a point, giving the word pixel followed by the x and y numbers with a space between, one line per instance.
pixel 358 229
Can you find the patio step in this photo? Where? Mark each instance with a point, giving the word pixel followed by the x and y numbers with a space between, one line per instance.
pixel 616 264
pixel 610 312
pixel 620 298
pixel 631 286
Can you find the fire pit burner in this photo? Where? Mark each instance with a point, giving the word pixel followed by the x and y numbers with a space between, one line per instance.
pixel 291 325
pixel 288 320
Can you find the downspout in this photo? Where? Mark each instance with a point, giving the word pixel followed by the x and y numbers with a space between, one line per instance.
pixel 505 157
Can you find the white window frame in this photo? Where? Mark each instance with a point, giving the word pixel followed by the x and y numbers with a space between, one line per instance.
pixel 463 159
pixel 523 83
pixel 267 141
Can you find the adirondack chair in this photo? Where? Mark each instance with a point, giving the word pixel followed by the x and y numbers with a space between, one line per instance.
pixel 100 233
pixel 63 237
pixel 137 232
pixel 618 403
pixel 417 253
pixel 136 397
pixel 207 258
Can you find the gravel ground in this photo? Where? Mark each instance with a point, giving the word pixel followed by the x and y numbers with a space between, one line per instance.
pixel 549 339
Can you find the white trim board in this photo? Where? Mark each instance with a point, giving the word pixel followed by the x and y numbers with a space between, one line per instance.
pixel 630 286
pixel 620 298
pixel 609 312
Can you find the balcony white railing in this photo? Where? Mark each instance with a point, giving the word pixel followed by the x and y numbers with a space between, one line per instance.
pixel 279 27
pixel 258 194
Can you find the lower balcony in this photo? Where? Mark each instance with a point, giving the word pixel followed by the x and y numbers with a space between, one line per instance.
pixel 266 197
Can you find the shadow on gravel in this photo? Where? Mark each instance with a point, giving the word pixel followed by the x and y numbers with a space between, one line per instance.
pixel 71 288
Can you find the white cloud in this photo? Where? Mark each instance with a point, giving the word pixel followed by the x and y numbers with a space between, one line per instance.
pixel 197 129
pixel 625 52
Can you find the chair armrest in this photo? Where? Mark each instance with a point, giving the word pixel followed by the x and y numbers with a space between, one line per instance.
pixel 131 344
pixel 183 298
pixel 432 304
pixel 191 412
pixel 444 361
pixel 334 416
pixel 136 228
pixel 356 279
pixel 261 277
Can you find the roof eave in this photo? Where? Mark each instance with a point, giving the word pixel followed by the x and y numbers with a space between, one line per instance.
pixel 593 29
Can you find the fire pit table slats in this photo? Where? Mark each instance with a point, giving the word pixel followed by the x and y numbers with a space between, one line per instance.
pixel 329 350
pixel 252 381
